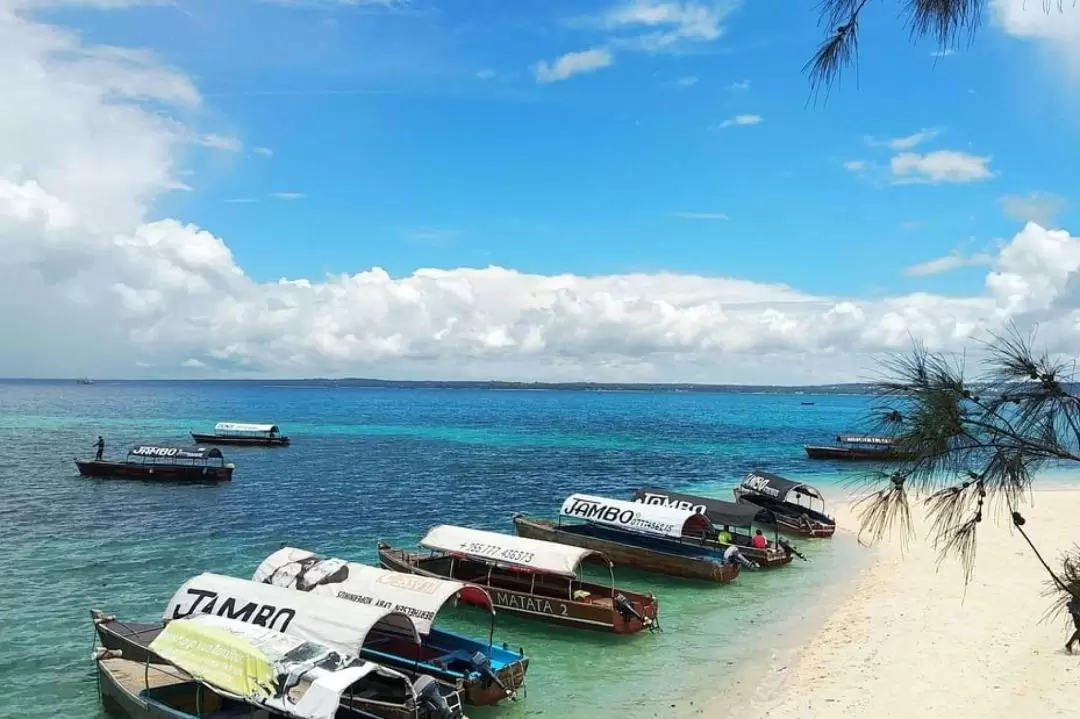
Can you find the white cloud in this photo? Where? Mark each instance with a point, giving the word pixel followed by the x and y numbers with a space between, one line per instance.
pixel 741 86
pixel 660 25
pixel 908 142
pixel 288 195
pixel 856 165
pixel 572 63
pixel 1056 33
pixel 91 284
pixel 948 263
pixel 701 215
pixel 1039 207
pixel 485 74
pixel 947 52
pixel 242 200
pixel 220 142
pixel 741 120
pixel 939 166
pixel 688 81
pixel 264 151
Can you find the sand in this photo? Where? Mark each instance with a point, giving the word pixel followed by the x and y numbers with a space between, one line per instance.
pixel 906 640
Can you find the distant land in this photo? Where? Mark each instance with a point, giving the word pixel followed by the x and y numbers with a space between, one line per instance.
pixel 366 383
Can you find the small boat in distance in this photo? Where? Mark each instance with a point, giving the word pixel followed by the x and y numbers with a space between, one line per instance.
pixel 649 537
pixel 245 435
pixel 530 578
pixel 163 464
pixel 489 673
pixel 214 667
pixel 858 447
pixel 86 380
pixel 781 497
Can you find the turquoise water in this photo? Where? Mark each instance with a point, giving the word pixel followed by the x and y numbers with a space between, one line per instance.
pixel 369 465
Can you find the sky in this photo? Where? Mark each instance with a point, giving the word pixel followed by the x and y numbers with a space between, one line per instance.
pixel 530 190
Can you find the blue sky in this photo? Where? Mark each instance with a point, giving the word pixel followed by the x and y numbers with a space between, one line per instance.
pixel 420 137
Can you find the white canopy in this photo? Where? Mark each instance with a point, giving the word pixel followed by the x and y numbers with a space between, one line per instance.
pixel 245 662
pixel 654 519
pixel 531 554
pixel 241 427
pixel 325 620
pixel 417 597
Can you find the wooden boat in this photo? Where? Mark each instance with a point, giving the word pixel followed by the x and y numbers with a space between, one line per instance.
pixel 347 626
pixel 782 498
pixel 245 435
pixel 218 668
pixel 487 672
pixel 653 538
pixel 528 578
pixel 163 464
pixel 854 448
pixel 727 518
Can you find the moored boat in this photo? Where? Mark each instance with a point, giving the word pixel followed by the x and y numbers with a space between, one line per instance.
pixel 163 464
pixel 782 497
pixel 217 668
pixel 653 538
pixel 346 626
pixel 528 578
pixel 244 435
pixel 488 673
pixel 858 447
pixel 728 518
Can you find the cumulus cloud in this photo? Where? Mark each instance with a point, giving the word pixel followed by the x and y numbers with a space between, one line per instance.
pixel 572 63
pixel 1056 29
pixel 939 166
pixel 91 282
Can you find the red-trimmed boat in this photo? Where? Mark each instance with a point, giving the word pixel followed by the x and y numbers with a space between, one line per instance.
pixel 163 464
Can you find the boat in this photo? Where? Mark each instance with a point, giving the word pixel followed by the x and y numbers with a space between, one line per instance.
pixel 782 498
pixel 244 435
pixel 346 626
pixel 163 464
pixel 528 578
pixel 727 518
pixel 219 668
pixel 858 447
pixel 488 673
pixel 650 537
pixel 86 380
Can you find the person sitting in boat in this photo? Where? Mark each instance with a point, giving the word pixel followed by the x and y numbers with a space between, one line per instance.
pixel 732 555
pixel 724 536
pixel 759 541
pixel 100 444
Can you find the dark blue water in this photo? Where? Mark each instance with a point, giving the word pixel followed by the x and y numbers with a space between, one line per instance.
pixel 370 465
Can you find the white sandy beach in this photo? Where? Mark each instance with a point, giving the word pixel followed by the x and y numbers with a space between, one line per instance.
pixel 905 640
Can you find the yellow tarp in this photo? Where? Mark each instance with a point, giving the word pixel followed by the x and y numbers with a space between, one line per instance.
pixel 219 658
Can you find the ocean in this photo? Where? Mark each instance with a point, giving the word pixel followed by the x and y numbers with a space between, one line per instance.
pixel 371 464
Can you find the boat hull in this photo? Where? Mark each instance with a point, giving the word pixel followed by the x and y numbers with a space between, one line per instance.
pixel 854 454
pixel 241 441
pixel 118 701
pixel 529 605
pixel 788 523
pixel 647 559
pixel 156 473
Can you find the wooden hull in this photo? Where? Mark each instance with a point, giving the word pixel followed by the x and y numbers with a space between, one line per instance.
pixel 649 560
pixel 241 441
pixel 156 472
pixel 788 523
pixel 852 454
pixel 515 595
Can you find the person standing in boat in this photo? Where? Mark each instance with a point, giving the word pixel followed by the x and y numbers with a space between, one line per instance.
pixel 100 444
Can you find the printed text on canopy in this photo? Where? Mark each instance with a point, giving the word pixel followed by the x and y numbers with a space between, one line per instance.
pixel 719 512
pixel 657 520
pixel 531 555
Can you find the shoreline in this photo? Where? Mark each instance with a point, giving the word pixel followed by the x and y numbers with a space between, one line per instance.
pixel 904 621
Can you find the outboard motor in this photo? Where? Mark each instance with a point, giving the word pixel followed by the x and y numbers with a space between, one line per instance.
pixel 627 612
pixel 790 549
pixel 430 697
pixel 481 663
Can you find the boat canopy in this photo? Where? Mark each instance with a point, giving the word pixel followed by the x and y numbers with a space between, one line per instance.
pixel 775 486
pixel 311 617
pixel 156 452
pixel 531 555
pixel 248 428
pixel 643 518
pixel 418 597
pixel 719 512
pixel 250 663
pixel 862 439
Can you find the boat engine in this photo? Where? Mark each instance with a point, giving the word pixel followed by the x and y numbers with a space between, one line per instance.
pixel 430 697
pixel 790 549
pixel 627 612
pixel 481 663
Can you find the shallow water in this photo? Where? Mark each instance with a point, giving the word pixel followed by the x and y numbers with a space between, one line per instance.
pixel 370 465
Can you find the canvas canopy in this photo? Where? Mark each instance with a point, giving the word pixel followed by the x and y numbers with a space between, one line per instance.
pixel 241 427
pixel 311 617
pixel 860 439
pixel 150 451
pixel 719 512
pixel 775 486
pixel 419 598
pixel 655 519
pixel 263 667
pixel 533 555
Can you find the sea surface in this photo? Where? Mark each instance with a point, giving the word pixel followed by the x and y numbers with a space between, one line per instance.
pixel 387 464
